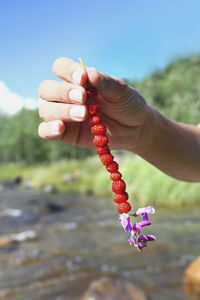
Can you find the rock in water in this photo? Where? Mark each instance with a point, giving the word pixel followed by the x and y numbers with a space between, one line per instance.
pixel 5 241
pixel 50 188
pixel 54 207
pixel 111 289
pixel 192 277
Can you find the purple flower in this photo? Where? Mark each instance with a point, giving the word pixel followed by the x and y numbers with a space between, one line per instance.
pixel 141 245
pixel 151 237
pixel 144 217
pixel 132 241
pixel 145 210
pixel 145 223
pixel 139 241
pixel 142 238
pixel 137 228
pixel 125 221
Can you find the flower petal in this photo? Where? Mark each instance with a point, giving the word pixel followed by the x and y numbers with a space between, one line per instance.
pixel 151 237
pixel 142 245
pixel 125 222
pixel 145 223
pixel 142 238
pixel 137 227
pixel 148 210
pixel 144 217
pixel 132 240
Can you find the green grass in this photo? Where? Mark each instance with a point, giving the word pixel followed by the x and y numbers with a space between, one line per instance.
pixel 145 184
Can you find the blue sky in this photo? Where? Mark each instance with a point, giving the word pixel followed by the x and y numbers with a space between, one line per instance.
pixel 126 39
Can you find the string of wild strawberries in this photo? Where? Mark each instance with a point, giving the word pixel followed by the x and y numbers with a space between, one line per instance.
pixel 100 141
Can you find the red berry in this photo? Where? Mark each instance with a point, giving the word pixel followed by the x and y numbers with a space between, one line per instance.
pixel 98 129
pixel 100 140
pixel 94 120
pixel 112 167
pixel 118 186
pixel 91 91
pixel 93 108
pixel 115 176
pixel 123 207
pixel 102 150
pixel 120 198
pixel 106 158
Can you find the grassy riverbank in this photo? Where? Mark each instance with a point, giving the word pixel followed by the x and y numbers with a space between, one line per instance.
pixel 145 184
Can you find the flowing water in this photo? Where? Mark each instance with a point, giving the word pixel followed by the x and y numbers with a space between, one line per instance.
pixel 78 239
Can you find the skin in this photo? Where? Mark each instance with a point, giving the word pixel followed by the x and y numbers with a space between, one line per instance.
pixel 131 124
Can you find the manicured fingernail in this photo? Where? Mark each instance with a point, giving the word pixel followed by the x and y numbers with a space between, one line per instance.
pixel 75 95
pixel 55 127
pixel 77 112
pixel 76 76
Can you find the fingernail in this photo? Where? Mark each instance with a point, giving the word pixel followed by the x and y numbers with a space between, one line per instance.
pixel 75 95
pixel 77 112
pixel 76 76
pixel 55 127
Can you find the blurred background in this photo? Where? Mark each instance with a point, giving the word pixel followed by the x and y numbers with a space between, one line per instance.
pixel 59 229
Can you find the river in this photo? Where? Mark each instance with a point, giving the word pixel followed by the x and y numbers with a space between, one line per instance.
pixel 78 239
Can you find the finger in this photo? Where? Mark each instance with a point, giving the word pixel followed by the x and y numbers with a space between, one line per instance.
pixel 110 88
pixel 50 111
pixel 51 130
pixel 51 90
pixel 69 70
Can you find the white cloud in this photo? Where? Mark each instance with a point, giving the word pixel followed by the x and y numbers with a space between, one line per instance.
pixel 11 103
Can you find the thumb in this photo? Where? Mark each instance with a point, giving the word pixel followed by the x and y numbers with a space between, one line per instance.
pixel 113 89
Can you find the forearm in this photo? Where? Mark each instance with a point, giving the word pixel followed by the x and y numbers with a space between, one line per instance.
pixel 172 147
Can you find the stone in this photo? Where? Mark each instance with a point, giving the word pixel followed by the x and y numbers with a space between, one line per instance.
pixel 23 236
pixel 54 207
pixel 12 183
pixel 28 184
pixel 106 288
pixel 192 277
pixel 50 189
pixel 69 178
pixel 5 241
pixel 1 187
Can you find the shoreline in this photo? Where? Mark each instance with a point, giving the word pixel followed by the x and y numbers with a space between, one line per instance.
pixel 145 184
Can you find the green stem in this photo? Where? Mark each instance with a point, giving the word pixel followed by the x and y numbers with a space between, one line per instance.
pixel 82 63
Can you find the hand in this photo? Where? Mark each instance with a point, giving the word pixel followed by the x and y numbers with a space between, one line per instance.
pixel 64 111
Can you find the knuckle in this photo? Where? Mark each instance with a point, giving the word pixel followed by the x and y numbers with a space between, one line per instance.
pixel 123 87
pixel 42 87
pixel 40 130
pixel 59 61
pixel 42 111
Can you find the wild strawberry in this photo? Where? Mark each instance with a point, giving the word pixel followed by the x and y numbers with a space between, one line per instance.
pixel 120 198
pixel 93 108
pixel 106 158
pixel 98 129
pixel 102 150
pixel 91 92
pixel 115 176
pixel 112 167
pixel 118 186
pixel 123 207
pixel 94 120
pixel 100 140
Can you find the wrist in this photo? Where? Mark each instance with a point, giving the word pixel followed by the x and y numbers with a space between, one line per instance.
pixel 143 135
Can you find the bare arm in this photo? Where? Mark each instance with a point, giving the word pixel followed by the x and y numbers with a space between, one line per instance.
pixel 131 124
pixel 172 147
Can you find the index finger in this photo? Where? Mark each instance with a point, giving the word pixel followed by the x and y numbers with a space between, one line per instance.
pixel 69 70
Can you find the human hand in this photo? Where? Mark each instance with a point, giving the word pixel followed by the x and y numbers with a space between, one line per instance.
pixel 123 110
